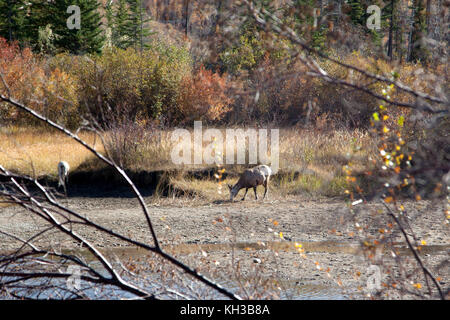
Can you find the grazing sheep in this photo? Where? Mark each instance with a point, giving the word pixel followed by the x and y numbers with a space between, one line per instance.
pixel 251 178
pixel 63 174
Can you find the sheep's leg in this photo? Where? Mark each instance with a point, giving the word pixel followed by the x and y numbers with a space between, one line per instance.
pixel 266 188
pixel 256 196
pixel 243 198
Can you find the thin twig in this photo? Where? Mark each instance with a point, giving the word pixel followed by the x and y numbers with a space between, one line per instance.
pixel 414 251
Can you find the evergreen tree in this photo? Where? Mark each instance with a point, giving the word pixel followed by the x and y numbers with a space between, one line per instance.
pixel 118 18
pixel 357 12
pixel 126 20
pixel 89 38
pixel 134 28
pixel 304 22
pixel 13 20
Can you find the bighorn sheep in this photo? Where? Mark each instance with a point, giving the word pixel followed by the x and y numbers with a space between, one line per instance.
pixel 63 174
pixel 251 178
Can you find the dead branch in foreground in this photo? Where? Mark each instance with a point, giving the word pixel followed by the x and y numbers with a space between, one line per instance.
pixel 19 195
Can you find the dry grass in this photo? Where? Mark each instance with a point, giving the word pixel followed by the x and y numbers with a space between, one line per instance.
pixel 310 161
pixel 36 151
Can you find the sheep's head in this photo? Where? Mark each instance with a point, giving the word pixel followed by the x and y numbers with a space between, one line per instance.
pixel 233 191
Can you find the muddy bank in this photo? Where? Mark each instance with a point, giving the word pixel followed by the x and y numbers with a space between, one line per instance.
pixel 259 234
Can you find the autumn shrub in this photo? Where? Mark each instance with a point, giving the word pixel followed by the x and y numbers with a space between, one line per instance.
pixel 246 53
pixel 203 96
pixel 292 97
pixel 144 84
pixel 21 77
pixel 122 141
pixel 357 106
pixel 283 92
pixel 27 78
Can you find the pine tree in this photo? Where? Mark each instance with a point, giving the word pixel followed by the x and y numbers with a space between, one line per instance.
pixel 126 20
pixel 305 23
pixel 117 15
pixel 13 20
pixel 134 28
pixel 89 38
pixel 357 12
pixel 37 23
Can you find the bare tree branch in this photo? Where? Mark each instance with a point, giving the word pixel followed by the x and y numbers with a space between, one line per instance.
pixel 49 217
pixel 290 34
pixel 425 270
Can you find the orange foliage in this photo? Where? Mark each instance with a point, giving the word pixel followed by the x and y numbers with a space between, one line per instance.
pixel 203 96
pixel 20 73
pixel 50 92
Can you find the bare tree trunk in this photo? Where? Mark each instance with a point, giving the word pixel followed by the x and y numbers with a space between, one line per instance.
pixel 186 21
pixel 428 16
pixel 399 37
pixel 391 29
pixel 418 49
pixel 410 34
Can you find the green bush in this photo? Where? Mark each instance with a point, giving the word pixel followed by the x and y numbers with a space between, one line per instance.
pixel 128 83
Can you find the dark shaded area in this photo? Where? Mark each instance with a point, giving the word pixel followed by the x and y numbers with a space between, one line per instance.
pixel 106 182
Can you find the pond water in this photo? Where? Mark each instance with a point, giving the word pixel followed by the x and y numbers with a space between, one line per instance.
pixel 294 289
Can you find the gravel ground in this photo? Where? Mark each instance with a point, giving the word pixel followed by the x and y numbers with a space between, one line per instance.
pixel 200 232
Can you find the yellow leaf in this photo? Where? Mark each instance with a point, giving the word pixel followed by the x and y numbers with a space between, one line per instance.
pixel 389 199
pixel 375 116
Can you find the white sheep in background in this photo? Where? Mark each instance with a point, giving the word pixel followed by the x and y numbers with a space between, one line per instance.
pixel 63 174
pixel 251 178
